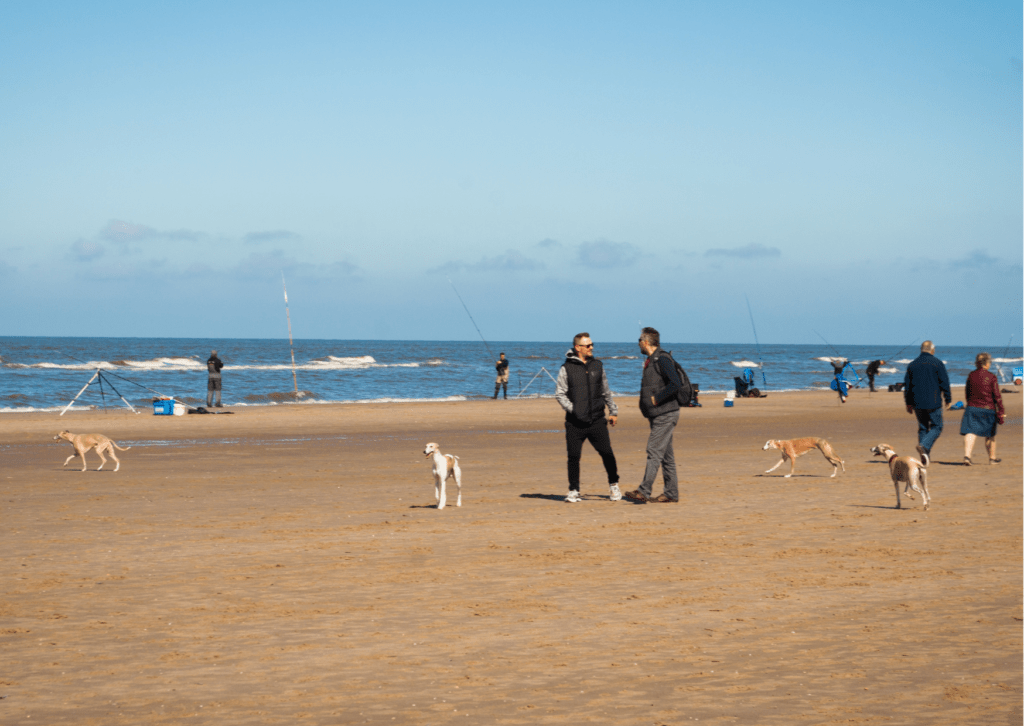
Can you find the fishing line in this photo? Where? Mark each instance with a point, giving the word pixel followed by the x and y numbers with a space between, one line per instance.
pixel 108 373
pixel 756 341
pixel 841 356
pixel 489 352
pixel 1002 376
pixel 893 356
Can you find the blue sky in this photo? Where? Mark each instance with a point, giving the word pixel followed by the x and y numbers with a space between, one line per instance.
pixel 850 167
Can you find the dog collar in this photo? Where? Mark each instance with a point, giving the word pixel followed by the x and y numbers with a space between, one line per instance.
pixel 892 457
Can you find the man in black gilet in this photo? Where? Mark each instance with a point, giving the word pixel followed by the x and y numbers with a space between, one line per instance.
pixel 582 390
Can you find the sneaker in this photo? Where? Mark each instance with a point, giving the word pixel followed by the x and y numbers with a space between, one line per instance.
pixel 573 496
pixel 615 495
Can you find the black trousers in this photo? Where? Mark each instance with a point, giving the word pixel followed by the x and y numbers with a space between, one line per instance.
pixel 597 434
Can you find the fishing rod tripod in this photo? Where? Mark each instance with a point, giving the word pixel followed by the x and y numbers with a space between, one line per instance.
pixel 99 377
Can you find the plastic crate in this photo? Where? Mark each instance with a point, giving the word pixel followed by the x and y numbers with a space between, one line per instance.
pixel 163 408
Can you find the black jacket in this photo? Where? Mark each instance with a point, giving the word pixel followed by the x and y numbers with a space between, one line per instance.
pixel 582 390
pixel 926 383
pixel 660 380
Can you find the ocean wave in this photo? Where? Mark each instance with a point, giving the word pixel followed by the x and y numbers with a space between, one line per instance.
pixel 888 370
pixel 190 365
pixel 619 357
pixel 1007 360
pixel 744 364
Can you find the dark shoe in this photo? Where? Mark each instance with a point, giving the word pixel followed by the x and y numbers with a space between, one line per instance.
pixel 664 499
pixel 635 496
pixel 994 461
pixel 967 461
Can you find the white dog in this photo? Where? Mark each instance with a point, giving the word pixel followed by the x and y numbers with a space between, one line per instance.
pixel 905 469
pixel 84 442
pixel 446 467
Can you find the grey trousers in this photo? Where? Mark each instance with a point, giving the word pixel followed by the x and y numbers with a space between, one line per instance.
pixel 660 455
pixel 212 386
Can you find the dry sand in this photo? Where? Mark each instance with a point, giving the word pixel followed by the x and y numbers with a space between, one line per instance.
pixel 287 565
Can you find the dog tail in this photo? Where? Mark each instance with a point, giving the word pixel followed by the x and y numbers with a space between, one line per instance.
pixel 118 447
pixel 452 456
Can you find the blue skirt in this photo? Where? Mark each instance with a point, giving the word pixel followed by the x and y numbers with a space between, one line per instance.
pixel 978 421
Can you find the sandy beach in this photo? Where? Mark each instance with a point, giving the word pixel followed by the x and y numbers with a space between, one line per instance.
pixel 287 564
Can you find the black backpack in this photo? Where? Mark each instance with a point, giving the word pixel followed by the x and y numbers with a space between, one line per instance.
pixel 685 393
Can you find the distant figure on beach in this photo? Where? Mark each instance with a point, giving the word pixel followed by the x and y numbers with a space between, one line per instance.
pixel 924 386
pixel 839 383
pixel 984 409
pixel 501 366
pixel 872 371
pixel 213 367
pixel 658 403
pixel 582 390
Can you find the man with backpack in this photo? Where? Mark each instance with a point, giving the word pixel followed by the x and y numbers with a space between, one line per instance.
pixel 661 388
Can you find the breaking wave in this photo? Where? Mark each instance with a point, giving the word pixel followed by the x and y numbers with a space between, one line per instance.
pixel 189 365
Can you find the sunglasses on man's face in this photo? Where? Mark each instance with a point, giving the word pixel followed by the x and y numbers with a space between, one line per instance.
pixel 587 346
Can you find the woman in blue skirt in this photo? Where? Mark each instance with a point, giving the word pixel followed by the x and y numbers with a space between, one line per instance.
pixel 984 409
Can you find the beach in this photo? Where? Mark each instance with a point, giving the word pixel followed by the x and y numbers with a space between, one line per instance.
pixel 286 564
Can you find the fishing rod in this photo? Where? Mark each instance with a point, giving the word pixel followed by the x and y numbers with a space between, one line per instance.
pixel 760 359
pixel 489 352
pixel 291 345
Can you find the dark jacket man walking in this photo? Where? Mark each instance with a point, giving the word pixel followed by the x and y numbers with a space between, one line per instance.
pixel 924 386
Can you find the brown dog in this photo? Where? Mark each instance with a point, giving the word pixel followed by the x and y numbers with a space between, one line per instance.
pixel 84 442
pixel 793 448
pixel 905 469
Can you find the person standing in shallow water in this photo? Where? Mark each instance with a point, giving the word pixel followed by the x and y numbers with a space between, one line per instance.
pixel 501 367
pixel 213 381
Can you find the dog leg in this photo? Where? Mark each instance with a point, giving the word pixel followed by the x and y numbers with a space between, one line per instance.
pixel 116 460
pixel 776 466
pixel 70 458
pixel 458 483
pixel 441 499
pixel 103 459
pixel 897 485
pixel 437 489
pixel 924 487
pixel 792 467
pixel 84 465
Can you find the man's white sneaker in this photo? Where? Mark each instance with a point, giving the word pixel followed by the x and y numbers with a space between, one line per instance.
pixel 615 495
pixel 573 496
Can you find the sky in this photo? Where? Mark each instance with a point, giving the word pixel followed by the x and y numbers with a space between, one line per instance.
pixel 849 167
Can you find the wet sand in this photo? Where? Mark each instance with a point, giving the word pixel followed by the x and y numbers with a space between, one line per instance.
pixel 287 565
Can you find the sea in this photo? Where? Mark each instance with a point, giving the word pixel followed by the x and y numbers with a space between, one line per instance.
pixel 46 374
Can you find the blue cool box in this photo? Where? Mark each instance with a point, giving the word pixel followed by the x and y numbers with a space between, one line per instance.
pixel 163 408
pixel 728 403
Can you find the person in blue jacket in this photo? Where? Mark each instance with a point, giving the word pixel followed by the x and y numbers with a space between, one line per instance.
pixel 925 386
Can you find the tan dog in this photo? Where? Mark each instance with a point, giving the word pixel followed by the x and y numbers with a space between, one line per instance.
pixel 445 467
pixel 84 442
pixel 905 469
pixel 793 448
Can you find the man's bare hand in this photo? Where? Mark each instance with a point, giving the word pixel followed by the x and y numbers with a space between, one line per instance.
pixel 612 419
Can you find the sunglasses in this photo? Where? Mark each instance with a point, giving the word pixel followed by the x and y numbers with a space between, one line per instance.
pixel 587 346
